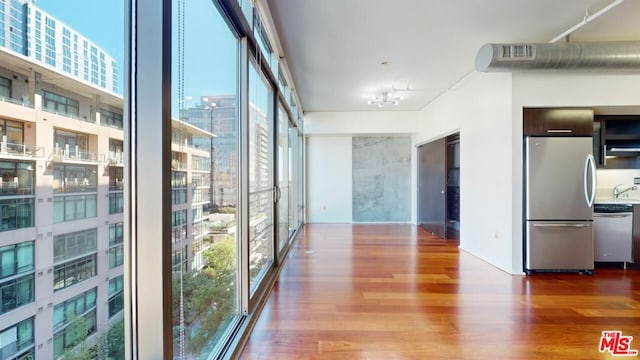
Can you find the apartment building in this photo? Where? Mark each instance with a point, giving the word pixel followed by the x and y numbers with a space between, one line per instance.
pixel 61 196
pixel 190 187
pixel 218 114
pixel 27 30
pixel 61 186
pixel 61 205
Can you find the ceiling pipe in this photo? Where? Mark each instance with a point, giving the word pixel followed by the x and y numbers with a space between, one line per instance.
pixel 616 55
pixel 608 56
pixel 587 18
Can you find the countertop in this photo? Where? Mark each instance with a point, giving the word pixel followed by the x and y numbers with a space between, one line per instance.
pixel 617 201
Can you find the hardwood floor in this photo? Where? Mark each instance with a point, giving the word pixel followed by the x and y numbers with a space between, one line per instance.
pixel 395 292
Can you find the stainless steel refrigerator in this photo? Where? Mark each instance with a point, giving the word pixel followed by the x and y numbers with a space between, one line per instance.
pixel 560 188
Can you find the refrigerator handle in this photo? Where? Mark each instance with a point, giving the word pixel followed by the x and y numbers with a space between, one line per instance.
pixel 590 164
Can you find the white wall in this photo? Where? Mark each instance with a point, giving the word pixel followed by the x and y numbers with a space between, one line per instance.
pixel 479 107
pixel 607 93
pixel 328 173
pixel 608 178
pixel 360 123
pixel 329 167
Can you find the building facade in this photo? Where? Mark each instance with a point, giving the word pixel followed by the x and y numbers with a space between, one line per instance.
pixel 61 207
pixel 61 186
pixel 218 114
pixel 27 30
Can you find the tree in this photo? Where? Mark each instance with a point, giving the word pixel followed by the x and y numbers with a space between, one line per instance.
pixel 108 346
pixel 208 296
pixel 76 333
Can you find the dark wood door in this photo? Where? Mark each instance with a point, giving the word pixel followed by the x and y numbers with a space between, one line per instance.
pixel 431 186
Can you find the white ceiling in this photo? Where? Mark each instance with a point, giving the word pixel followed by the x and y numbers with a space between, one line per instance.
pixel 334 48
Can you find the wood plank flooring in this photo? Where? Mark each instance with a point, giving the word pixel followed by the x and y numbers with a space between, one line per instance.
pixel 396 292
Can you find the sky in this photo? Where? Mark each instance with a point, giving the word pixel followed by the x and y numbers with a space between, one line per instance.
pixel 210 53
pixel 210 48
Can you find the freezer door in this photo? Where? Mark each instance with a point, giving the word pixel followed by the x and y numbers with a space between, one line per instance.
pixel 556 169
pixel 555 245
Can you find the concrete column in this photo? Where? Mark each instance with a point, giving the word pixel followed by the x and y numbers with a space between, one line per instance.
pixel 35 85
pixel 94 109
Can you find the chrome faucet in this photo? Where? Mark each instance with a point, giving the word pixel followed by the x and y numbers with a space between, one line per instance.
pixel 617 192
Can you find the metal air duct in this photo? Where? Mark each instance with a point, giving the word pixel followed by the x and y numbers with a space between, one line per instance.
pixel 618 55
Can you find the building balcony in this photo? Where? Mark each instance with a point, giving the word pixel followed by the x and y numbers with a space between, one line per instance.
pixel 81 117
pixel 116 158
pixel 190 149
pixel 112 123
pixel 20 151
pixel 21 102
pixel 178 165
pixel 19 109
pixel 14 188
pixel 117 185
pixel 75 155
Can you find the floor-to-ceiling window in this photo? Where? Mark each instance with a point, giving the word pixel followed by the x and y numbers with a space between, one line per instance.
pixel 282 178
pixel 205 232
pixel 204 117
pixel 292 179
pixel 261 217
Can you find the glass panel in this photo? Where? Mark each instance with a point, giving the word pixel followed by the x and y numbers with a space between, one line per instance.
pixel 60 104
pixel 116 256
pixel 115 233
pixel 25 290
pixel 58 316
pixel 247 10
pixel 16 213
pixel 74 320
pixel 16 178
pixel 260 177
pixel 14 132
pixel 7 261
pixel 116 203
pixel 5 87
pixel 15 293
pixel 72 245
pixel 58 209
pixel 91 206
pixel 16 341
pixel 74 178
pixel 25 257
pixel 74 271
pixel 115 178
pixel 70 208
pixel 300 176
pixel 283 176
pixel 204 240
pixel 292 180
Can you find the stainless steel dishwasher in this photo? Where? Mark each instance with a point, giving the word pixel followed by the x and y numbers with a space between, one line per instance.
pixel 612 232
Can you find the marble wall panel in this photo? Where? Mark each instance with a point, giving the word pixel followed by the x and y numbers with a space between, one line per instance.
pixel 381 178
